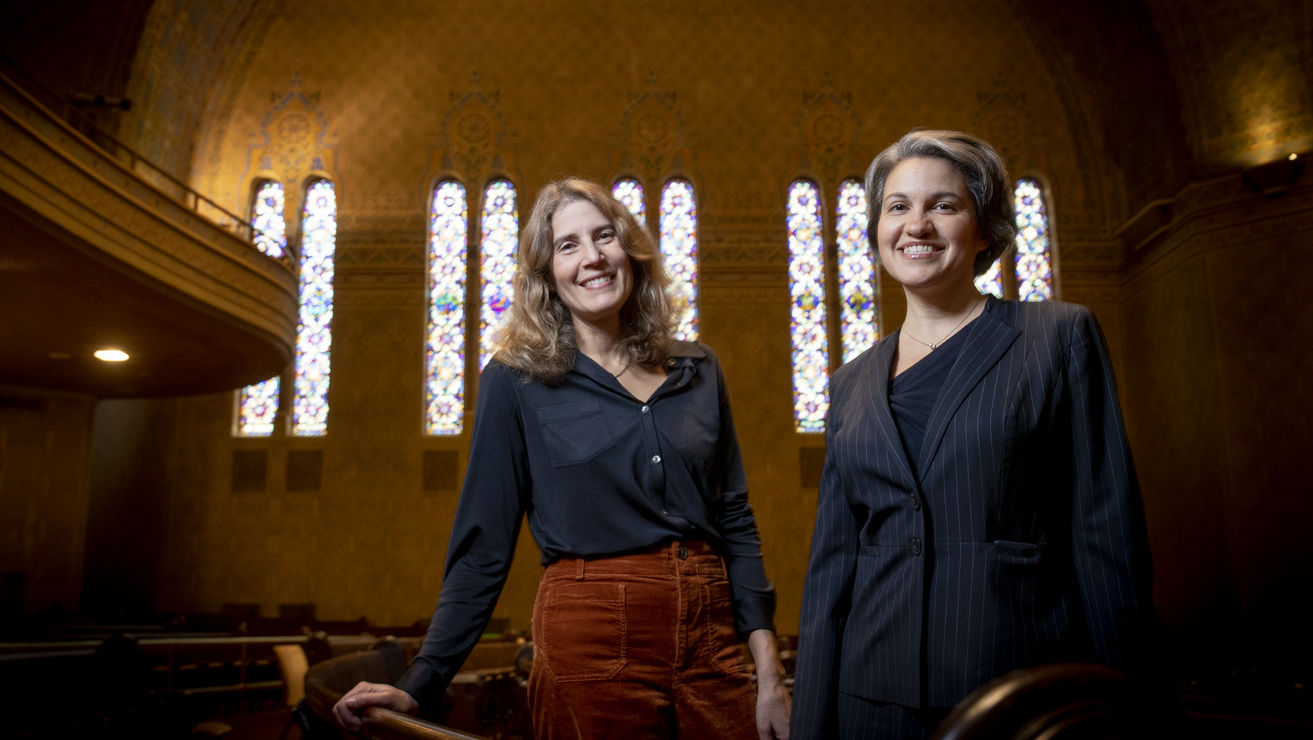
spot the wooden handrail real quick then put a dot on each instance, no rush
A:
(385, 724)
(379, 723)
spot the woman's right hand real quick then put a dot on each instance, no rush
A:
(348, 709)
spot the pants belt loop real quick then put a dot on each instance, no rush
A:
(579, 569)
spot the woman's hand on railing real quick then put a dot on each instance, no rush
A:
(348, 710)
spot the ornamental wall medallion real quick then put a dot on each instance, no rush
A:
(829, 134)
(652, 135)
(473, 135)
(294, 142)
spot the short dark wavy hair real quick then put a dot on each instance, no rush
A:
(986, 179)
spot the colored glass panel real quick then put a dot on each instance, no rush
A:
(1034, 264)
(257, 405)
(679, 249)
(500, 230)
(991, 283)
(811, 353)
(858, 285)
(268, 220)
(314, 334)
(444, 386)
(630, 194)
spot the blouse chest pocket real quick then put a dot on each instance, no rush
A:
(575, 432)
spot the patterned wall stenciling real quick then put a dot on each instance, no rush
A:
(295, 142)
(474, 136)
(829, 134)
(1003, 119)
(652, 142)
(1247, 96)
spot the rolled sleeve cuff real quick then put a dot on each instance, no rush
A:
(755, 609)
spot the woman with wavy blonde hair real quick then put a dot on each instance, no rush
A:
(617, 443)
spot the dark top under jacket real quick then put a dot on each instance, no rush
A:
(598, 472)
(1020, 540)
(913, 393)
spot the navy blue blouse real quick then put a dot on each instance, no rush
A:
(598, 472)
(913, 393)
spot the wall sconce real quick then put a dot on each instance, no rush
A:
(1274, 178)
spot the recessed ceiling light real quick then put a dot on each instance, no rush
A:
(110, 355)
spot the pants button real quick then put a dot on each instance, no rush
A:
(681, 552)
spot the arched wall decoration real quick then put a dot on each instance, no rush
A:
(651, 141)
(295, 143)
(473, 135)
(829, 134)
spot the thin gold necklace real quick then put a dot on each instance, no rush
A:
(935, 345)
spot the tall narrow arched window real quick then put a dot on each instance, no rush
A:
(858, 278)
(679, 249)
(630, 194)
(1034, 264)
(444, 385)
(811, 352)
(257, 405)
(991, 283)
(314, 332)
(1033, 261)
(500, 233)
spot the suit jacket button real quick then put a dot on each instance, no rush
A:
(916, 502)
(916, 545)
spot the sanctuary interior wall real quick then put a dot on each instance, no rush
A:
(45, 461)
(741, 103)
(1113, 106)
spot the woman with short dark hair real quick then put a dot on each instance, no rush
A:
(978, 510)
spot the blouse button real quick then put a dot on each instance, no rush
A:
(645, 408)
(656, 459)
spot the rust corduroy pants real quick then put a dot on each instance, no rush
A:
(639, 647)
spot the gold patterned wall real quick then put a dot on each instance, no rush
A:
(739, 97)
(1113, 106)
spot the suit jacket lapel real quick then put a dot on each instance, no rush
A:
(880, 413)
(989, 337)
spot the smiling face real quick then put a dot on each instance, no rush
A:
(590, 269)
(928, 233)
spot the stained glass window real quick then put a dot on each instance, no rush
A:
(268, 220)
(991, 283)
(630, 194)
(500, 223)
(811, 352)
(444, 387)
(858, 285)
(314, 334)
(257, 405)
(1034, 265)
(679, 249)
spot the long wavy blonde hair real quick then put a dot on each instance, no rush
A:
(538, 337)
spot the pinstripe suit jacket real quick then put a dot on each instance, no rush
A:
(1023, 541)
